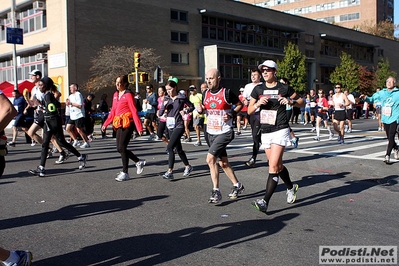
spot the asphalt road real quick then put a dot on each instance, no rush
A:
(347, 196)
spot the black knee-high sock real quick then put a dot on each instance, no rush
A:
(285, 176)
(271, 185)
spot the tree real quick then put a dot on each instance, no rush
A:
(293, 67)
(383, 72)
(384, 28)
(112, 61)
(367, 80)
(347, 73)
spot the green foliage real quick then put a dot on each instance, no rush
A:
(383, 72)
(347, 73)
(293, 68)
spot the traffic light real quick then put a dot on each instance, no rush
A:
(136, 60)
(132, 77)
(144, 77)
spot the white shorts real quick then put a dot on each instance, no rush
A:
(281, 137)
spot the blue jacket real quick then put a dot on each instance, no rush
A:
(389, 104)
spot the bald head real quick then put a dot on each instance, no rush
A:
(213, 78)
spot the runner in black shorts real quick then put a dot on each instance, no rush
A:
(340, 102)
(217, 102)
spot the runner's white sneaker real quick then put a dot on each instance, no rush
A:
(291, 193)
(140, 166)
(122, 177)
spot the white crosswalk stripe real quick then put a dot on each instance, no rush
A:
(369, 145)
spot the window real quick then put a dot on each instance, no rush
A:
(33, 20)
(28, 63)
(309, 38)
(357, 52)
(326, 6)
(180, 37)
(179, 58)
(232, 31)
(347, 17)
(180, 16)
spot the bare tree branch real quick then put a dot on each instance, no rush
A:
(112, 61)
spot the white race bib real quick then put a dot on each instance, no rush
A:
(170, 122)
(215, 119)
(386, 110)
(268, 117)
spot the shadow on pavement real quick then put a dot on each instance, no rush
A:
(159, 248)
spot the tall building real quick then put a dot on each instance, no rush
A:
(345, 13)
(61, 38)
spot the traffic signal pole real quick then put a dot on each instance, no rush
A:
(137, 80)
(136, 67)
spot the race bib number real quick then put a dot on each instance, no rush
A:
(386, 110)
(312, 104)
(268, 117)
(215, 119)
(170, 122)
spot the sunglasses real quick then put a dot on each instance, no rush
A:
(267, 69)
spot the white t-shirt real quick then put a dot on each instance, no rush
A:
(351, 101)
(37, 93)
(248, 90)
(75, 112)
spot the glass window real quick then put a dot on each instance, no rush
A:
(179, 58)
(178, 15)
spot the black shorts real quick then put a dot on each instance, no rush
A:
(79, 123)
(218, 143)
(323, 116)
(199, 121)
(349, 114)
(242, 114)
(151, 116)
(39, 120)
(340, 115)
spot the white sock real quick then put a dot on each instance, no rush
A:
(238, 185)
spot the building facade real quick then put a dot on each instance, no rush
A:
(61, 37)
(345, 13)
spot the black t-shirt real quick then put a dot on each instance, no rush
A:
(50, 104)
(273, 94)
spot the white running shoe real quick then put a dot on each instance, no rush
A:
(85, 145)
(396, 154)
(140, 166)
(75, 143)
(331, 137)
(82, 161)
(187, 171)
(122, 177)
(291, 193)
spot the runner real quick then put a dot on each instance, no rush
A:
(217, 102)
